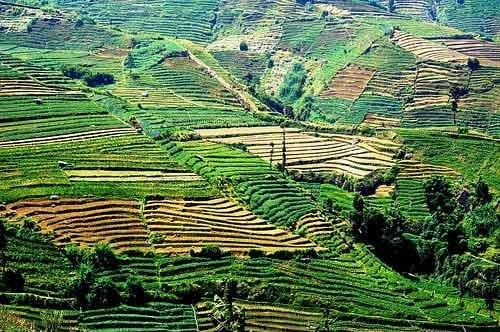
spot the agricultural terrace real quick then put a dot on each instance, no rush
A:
(487, 53)
(155, 316)
(190, 225)
(348, 83)
(176, 82)
(350, 284)
(44, 30)
(164, 226)
(430, 106)
(262, 187)
(264, 317)
(86, 221)
(410, 186)
(426, 49)
(416, 8)
(471, 157)
(125, 165)
(349, 155)
(36, 104)
(471, 16)
(176, 18)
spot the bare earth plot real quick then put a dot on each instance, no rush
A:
(349, 83)
(182, 225)
(306, 152)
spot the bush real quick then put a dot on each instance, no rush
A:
(92, 79)
(188, 293)
(81, 283)
(134, 291)
(103, 257)
(243, 46)
(256, 253)
(210, 251)
(292, 87)
(282, 254)
(52, 321)
(473, 64)
(97, 79)
(103, 293)
(75, 254)
(14, 280)
(156, 238)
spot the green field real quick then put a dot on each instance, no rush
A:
(141, 179)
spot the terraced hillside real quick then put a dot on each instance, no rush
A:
(216, 165)
(305, 152)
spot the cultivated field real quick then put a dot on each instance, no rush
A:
(306, 152)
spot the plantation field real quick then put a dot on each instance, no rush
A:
(469, 156)
(110, 166)
(306, 152)
(235, 165)
(181, 225)
(353, 289)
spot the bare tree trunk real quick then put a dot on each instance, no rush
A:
(283, 151)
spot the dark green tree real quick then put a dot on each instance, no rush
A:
(3, 245)
(439, 195)
(103, 294)
(482, 192)
(134, 290)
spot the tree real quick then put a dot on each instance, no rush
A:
(3, 245)
(456, 92)
(243, 46)
(134, 290)
(227, 316)
(283, 149)
(439, 195)
(52, 321)
(103, 293)
(482, 191)
(103, 257)
(271, 154)
(81, 283)
(473, 64)
(209, 251)
(14, 280)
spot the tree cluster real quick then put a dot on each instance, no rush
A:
(91, 78)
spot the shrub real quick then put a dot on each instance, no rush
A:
(75, 254)
(473, 64)
(98, 79)
(81, 283)
(134, 291)
(156, 238)
(103, 257)
(210, 251)
(292, 87)
(14, 280)
(282, 254)
(90, 78)
(243, 46)
(256, 253)
(439, 195)
(188, 292)
(103, 293)
(52, 321)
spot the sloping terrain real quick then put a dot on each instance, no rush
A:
(249, 165)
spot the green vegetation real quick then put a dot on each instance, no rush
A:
(472, 157)
(121, 211)
(148, 53)
(292, 87)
